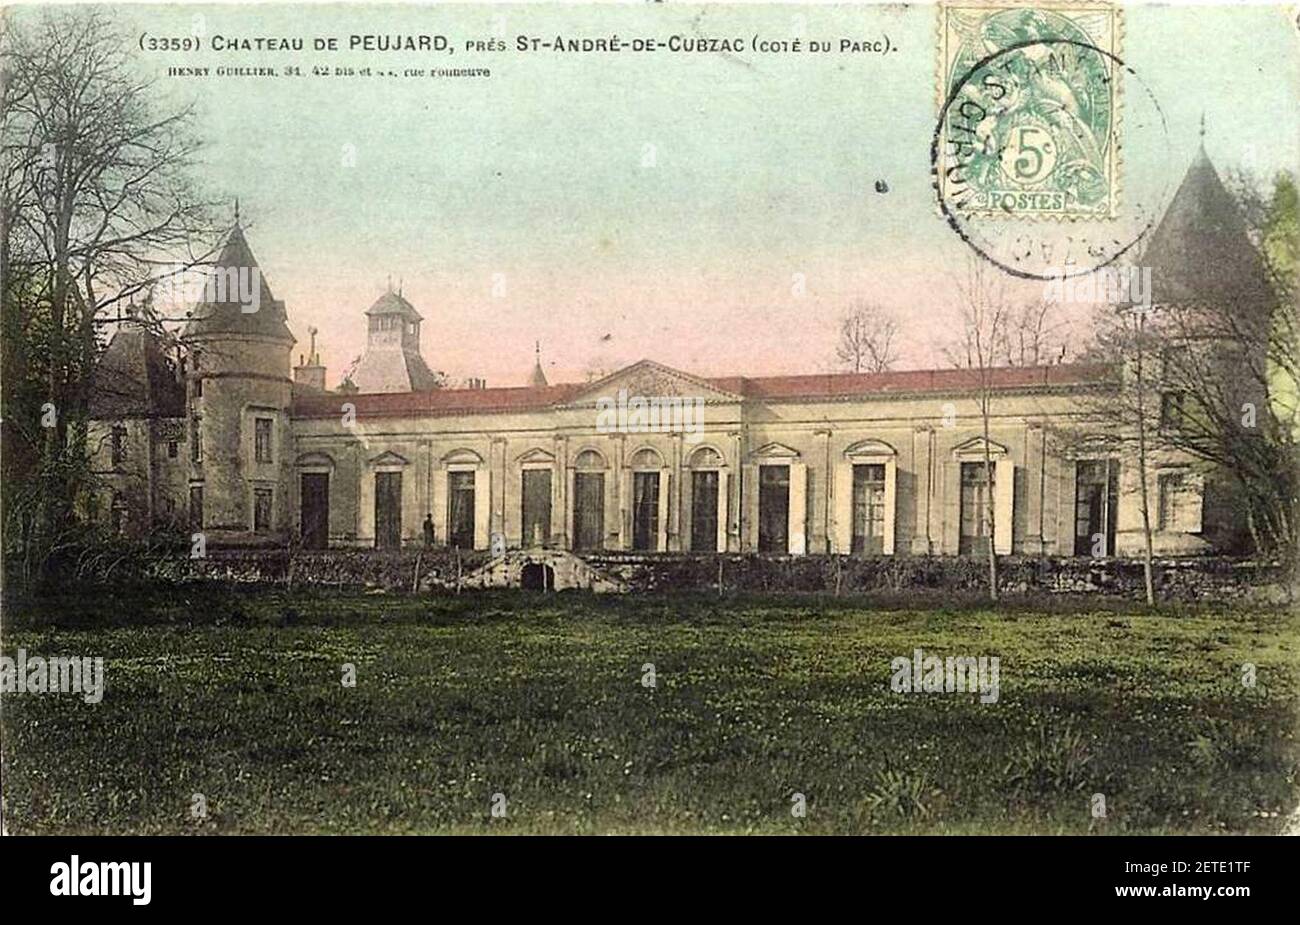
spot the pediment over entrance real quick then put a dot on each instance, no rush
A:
(648, 379)
(974, 448)
(389, 459)
(536, 455)
(774, 451)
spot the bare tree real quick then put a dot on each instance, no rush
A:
(97, 204)
(984, 319)
(1123, 418)
(597, 368)
(867, 339)
(1140, 352)
(1235, 370)
(1034, 335)
(1236, 381)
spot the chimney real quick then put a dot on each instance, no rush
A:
(309, 372)
(313, 377)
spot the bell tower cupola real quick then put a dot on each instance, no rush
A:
(392, 361)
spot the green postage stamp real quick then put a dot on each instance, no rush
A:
(1030, 109)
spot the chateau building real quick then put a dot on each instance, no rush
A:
(239, 445)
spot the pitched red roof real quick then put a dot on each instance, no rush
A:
(850, 385)
(446, 402)
(433, 404)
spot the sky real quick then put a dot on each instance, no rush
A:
(717, 213)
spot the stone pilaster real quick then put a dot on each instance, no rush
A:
(923, 459)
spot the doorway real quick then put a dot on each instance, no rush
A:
(774, 509)
(1096, 495)
(388, 510)
(315, 494)
(588, 510)
(704, 511)
(537, 507)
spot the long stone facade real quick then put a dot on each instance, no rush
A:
(777, 471)
(240, 448)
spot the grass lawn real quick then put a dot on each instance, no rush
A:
(540, 698)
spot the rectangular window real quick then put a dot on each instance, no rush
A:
(261, 510)
(119, 445)
(1171, 410)
(460, 509)
(173, 449)
(198, 387)
(773, 508)
(704, 511)
(196, 507)
(976, 499)
(196, 443)
(645, 511)
(262, 440)
(1175, 502)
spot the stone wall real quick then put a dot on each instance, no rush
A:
(1175, 579)
(343, 568)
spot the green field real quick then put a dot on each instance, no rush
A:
(239, 697)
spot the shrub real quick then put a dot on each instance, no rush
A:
(899, 794)
(1051, 761)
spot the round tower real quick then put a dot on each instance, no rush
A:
(1210, 307)
(238, 396)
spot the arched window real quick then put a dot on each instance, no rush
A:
(706, 457)
(589, 459)
(646, 458)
